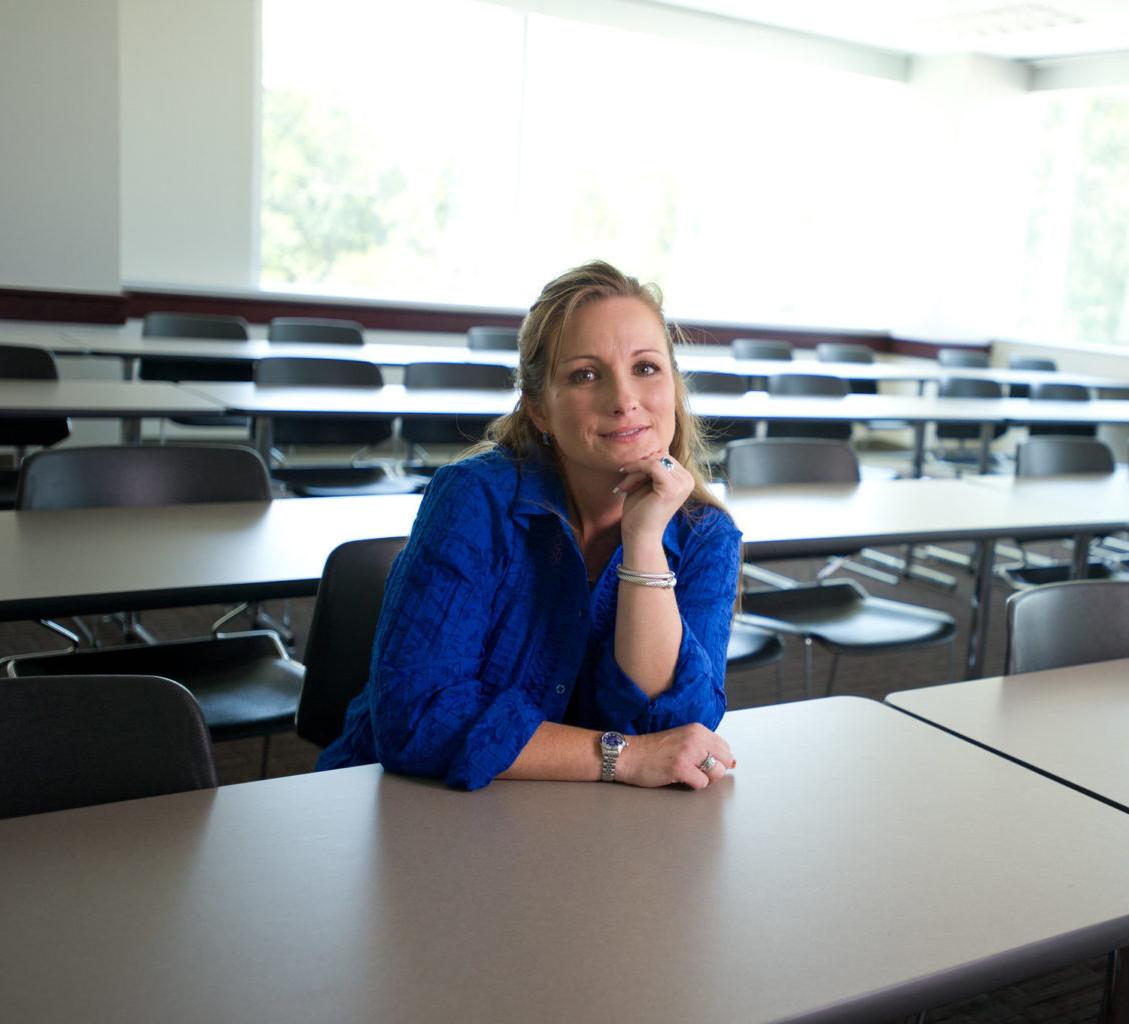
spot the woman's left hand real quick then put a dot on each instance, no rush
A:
(655, 487)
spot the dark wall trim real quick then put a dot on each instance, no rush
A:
(65, 307)
(78, 307)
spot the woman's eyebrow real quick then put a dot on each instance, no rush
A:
(597, 359)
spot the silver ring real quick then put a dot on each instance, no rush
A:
(707, 765)
(667, 463)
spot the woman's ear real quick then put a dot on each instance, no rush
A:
(533, 411)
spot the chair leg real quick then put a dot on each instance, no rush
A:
(779, 682)
(831, 674)
(951, 675)
(266, 754)
(808, 667)
(1115, 994)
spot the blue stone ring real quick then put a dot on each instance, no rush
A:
(667, 463)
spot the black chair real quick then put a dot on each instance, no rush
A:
(761, 348)
(838, 614)
(808, 385)
(838, 352)
(193, 325)
(721, 430)
(1050, 455)
(1027, 363)
(965, 387)
(1063, 624)
(316, 331)
(339, 648)
(357, 432)
(24, 362)
(246, 683)
(74, 741)
(1054, 392)
(963, 357)
(420, 431)
(491, 338)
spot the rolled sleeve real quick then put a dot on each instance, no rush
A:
(706, 591)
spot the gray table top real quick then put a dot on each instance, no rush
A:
(398, 348)
(395, 400)
(1068, 722)
(107, 399)
(90, 560)
(80, 561)
(857, 865)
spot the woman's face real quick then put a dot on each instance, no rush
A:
(611, 398)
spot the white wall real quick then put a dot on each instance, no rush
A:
(59, 145)
(189, 117)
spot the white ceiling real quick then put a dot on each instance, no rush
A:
(997, 28)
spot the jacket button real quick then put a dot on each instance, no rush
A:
(560, 688)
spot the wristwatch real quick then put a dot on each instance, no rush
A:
(611, 745)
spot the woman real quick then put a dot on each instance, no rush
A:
(562, 607)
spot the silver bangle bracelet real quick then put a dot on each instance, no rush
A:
(661, 580)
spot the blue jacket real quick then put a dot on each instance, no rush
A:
(489, 625)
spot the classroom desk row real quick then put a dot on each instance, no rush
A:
(85, 561)
(128, 346)
(857, 865)
(133, 400)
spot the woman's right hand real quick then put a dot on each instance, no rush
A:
(674, 755)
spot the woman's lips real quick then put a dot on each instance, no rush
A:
(625, 435)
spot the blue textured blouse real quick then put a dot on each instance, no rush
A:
(489, 626)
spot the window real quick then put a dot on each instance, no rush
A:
(460, 152)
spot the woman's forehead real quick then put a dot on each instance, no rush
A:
(614, 325)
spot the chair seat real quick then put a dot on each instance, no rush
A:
(750, 647)
(245, 683)
(1023, 576)
(843, 617)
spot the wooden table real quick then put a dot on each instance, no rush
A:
(1069, 723)
(856, 866)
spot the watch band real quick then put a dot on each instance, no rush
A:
(611, 745)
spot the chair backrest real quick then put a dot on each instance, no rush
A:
(1031, 363)
(962, 357)
(787, 460)
(1054, 392)
(120, 475)
(339, 648)
(1050, 455)
(807, 384)
(837, 352)
(761, 348)
(72, 741)
(194, 325)
(479, 338)
(296, 371)
(460, 376)
(715, 383)
(966, 387)
(26, 362)
(316, 330)
(1062, 624)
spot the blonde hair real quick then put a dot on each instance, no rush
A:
(539, 343)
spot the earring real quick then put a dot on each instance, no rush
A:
(546, 439)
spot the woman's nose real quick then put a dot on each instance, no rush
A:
(623, 395)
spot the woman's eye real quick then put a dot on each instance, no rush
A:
(582, 376)
(646, 369)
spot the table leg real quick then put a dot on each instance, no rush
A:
(131, 430)
(981, 597)
(129, 367)
(918, 448)
(1115, 999)
(262, 435)
(986, 432)
(1080, 566)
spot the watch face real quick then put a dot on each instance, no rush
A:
(613, 740)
